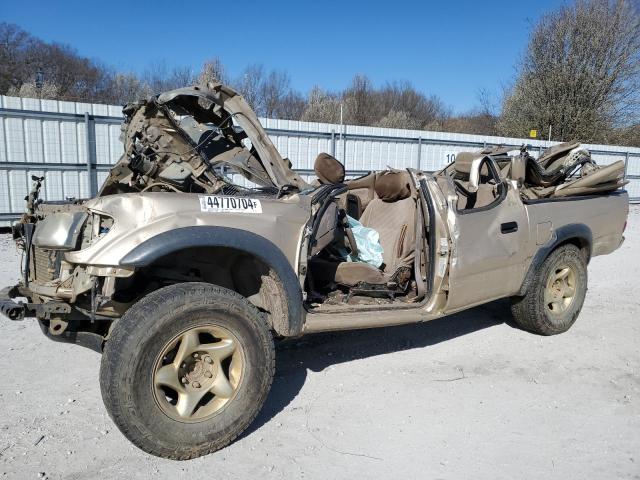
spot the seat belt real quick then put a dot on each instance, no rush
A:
(419, 245)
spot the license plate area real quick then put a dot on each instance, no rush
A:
(232, 204)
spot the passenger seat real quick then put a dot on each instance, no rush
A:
(487, 188)
(393, 215)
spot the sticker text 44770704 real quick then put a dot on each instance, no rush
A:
(219, 203)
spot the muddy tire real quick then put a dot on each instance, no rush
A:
(187, 369)
(555, 296)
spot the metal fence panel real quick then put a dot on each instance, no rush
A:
(73, 145)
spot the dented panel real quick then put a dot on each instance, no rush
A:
(59, 231)
(182, 150)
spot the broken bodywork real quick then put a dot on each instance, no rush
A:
(190, 140)
(203, 245)
(187, 141)
(563, 170)
(202, 195)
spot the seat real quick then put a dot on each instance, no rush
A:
(393, 215)
(484, 189)
(361, 192)
(328, 169)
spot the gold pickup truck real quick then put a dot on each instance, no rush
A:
(203, 247)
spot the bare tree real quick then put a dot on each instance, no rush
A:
(398, 119)
(396, 105)
(360, 106)
(487, 103)
(269, 93)
(275, 86)
(212, 71)
(48, 90)
(160, 77)
(481, 120)
(249, 85)
(473, 122)
(16, 56)
(420, 109)
(321, 107)
(292, 106)
(125, 88)
(69, 76)
(629, 136)
(580, 74)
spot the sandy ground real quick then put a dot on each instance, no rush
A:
(463, 397)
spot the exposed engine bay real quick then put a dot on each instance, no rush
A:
(196, 140)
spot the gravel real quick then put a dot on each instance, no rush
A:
(463, 396)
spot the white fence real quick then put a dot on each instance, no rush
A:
(74, 144)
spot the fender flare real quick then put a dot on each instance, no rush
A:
(572, 231)
(191, 237)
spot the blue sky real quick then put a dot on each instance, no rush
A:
(450, 49)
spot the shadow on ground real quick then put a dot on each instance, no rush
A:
(317, 352)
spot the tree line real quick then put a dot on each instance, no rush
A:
(579, 78)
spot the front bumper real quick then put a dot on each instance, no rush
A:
(18, 310)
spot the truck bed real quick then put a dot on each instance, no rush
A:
(604, 215)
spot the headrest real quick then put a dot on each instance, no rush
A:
(464, 160)
(392, 185)
(328, 169)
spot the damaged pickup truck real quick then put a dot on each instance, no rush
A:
(203, 246)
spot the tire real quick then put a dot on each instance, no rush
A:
(152, 337)
(544, 309)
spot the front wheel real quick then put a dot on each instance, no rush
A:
(187, 369)
(554, 299)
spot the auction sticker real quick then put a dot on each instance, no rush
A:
(219, 203)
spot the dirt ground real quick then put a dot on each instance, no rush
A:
(462, 397)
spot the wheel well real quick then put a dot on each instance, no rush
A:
(581, 243)
(227, 267)
(567, 238)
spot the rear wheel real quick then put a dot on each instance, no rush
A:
(554, 299)
(187, 369)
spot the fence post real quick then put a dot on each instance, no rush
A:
(344, 147)
(333, 142)
(626, 165)
(90, 145)
(419, 152)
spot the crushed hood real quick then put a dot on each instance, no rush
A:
(195, 139)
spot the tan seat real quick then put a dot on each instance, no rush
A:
(362, 188)
(393, 215)
(486, 192)
(328, 169)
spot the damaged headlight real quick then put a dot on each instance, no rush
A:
(97, 226)
(68, 231)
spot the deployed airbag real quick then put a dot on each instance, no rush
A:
(368, 244)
